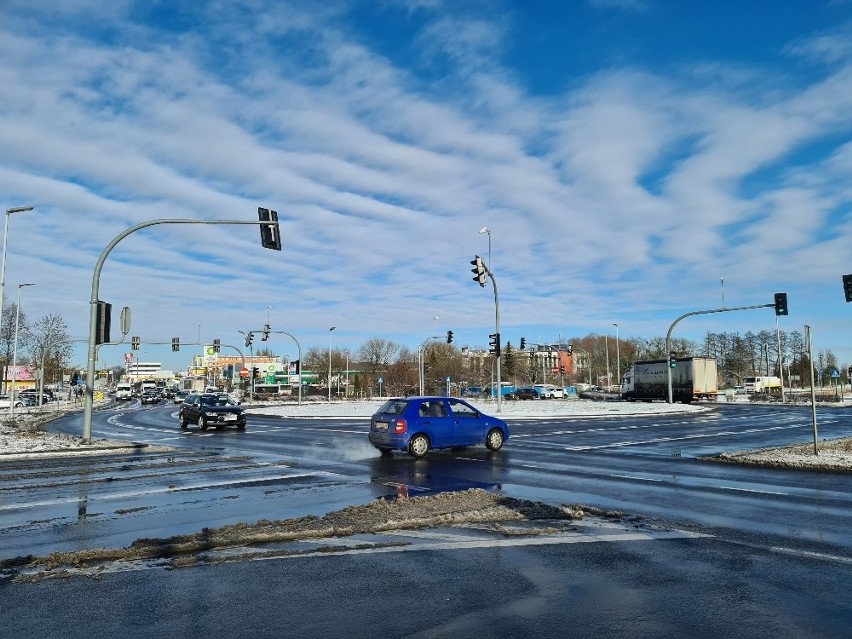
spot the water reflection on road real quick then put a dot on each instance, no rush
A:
(400, 476)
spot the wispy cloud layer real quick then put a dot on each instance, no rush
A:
(386, 135)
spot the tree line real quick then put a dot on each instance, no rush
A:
(47, 341)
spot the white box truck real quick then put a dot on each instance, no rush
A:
(762, 385)
(692, 378)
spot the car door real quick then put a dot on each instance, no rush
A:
(437, 423)
(468, 426)
(190, 408)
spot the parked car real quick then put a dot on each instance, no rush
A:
(549, 391)
(47, 394)
(419, 424)
(208, 408)
(151, 397)
(526, 392)
(6, 402)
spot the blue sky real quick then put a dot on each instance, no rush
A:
(628, 156)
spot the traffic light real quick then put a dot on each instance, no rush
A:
(103, 316)
(425, 367)
(217, 345)
(255, 372)
(847, 287)
(449, 337)
(135, 343)
(478, 270)
(249, 338)
(780, 303)
(270, 235)
(672, 360)
(494, 343)
(265, 335)
(297, 366)
(561, 370)
(175, 344)
(570, 349)
(523, 343)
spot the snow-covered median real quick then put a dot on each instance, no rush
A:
(518, 409)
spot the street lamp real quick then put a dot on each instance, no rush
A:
(15, 352)
(14, 209)
(617, 357)
(487, 230)
(490, 271)
(329, 362)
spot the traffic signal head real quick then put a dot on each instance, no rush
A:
(847, 287)
(523, 343)
(561, 370)
(780, 303)
(449, 337)
(570, 349)
(672, 360)
(265, 335)
(249, 338)
(175, 344)
(135, 343)
(103, 316)
(478, 270)
(217, 345)
(494, 342)
(255, 372)
(270, 236)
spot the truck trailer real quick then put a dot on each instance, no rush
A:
(692, 378)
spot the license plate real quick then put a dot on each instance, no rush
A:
(381, 425)
(230, 418)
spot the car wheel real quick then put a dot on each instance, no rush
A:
(418, 446)
(386, 452)
(201, 423)
(241, 426)
(494, 439)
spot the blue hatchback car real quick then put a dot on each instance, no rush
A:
(418, 424)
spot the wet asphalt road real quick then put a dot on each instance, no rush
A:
(780, 544)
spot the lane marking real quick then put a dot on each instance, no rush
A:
(161, 490)
(751, 490)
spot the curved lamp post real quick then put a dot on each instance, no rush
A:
(14, 209)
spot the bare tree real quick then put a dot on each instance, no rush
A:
(49, 344)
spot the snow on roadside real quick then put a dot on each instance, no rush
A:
(530, 409)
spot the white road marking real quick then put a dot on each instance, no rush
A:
(751, 490)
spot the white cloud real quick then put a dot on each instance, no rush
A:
(630, 192)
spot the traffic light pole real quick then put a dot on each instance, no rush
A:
(497, 330)
(299, 347)
(671, 328)
(421, 364)
(93, 303)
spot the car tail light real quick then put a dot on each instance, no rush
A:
(399, 426)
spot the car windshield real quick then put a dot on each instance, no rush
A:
(221, 400)
(393, 407)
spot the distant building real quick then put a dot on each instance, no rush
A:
(137, 371)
